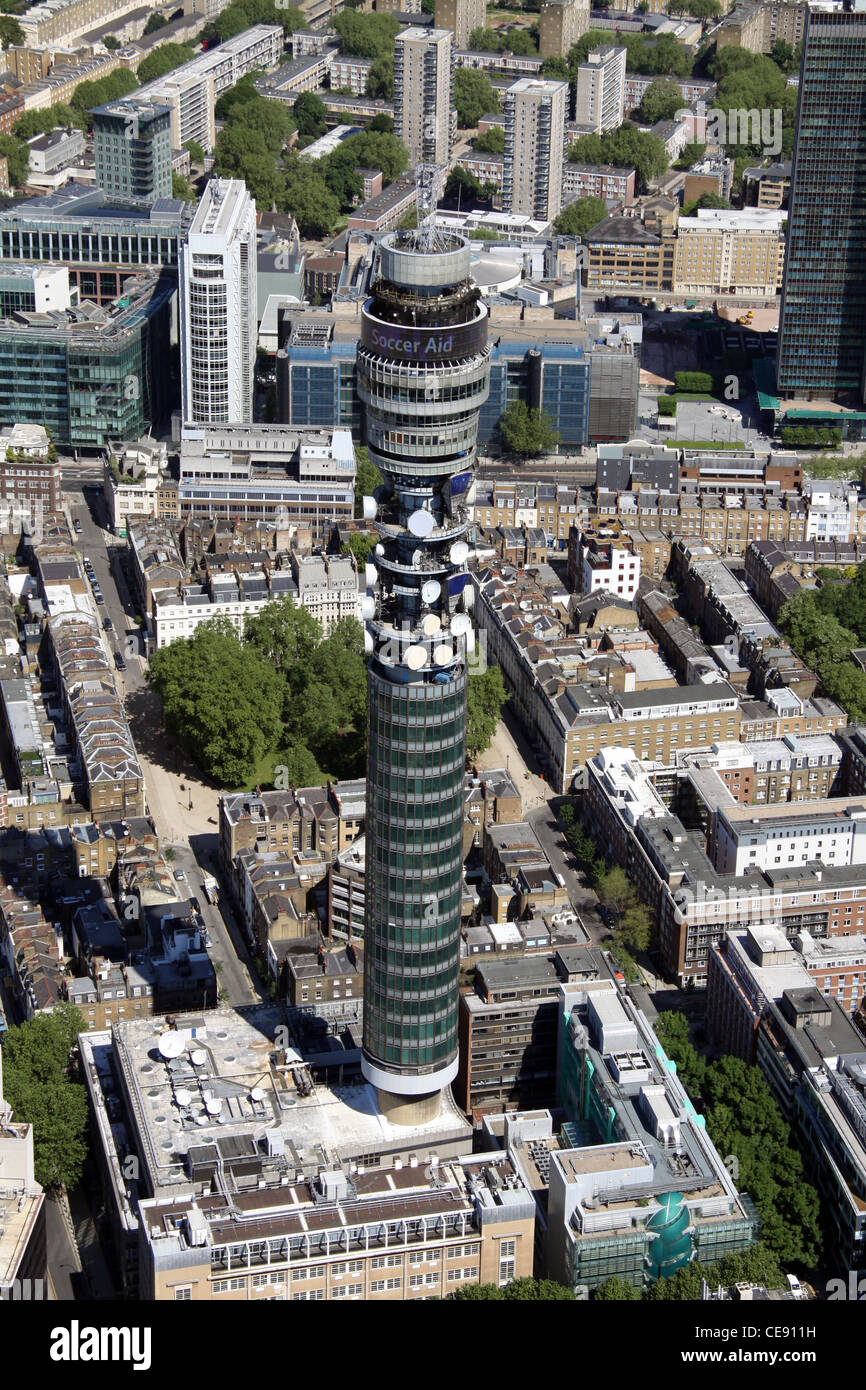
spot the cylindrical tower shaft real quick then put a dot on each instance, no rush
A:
(423, 371)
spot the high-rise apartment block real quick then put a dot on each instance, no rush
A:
(192, 90)
(822, 335)
(423, 370)
(424, 116)
(132, 149)
(560, 25)
(461, 17)
(218, 306)
(600, 91)
(535, 112)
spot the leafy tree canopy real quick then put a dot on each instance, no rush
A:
(163, 59)
(526, 431)
(39, 1084)
(625, 148)
(579, 217)
(367, 35)
(474, 97)
(220, 700)
(491, 141)
(485, 701)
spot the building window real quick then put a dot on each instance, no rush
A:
(183, 1294)
(507, 1254)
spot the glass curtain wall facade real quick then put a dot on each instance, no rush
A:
(822, 335)
(423, 369)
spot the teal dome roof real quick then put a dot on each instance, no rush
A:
(672, 1247)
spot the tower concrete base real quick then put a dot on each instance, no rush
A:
(409, 1110)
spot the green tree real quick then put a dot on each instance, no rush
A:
(491, 141)
(367, 477)
(182, 188)
(380, 78)
(308, 198)
(10, 31)
(485, 700)
(580, 216)
(366, 35)
(661, 101)
(625, 148)
(486, 41)
(156, 21)
(196, 153)
(706, 200)
(617, 1290)
(556, 68)
(377, 149)
(242, 153)
(310, 112)
(474, 97)
(220, 700)
(361, 546)
(39, 1083)
(111, 43)
(615, 890)
(164, 59)
(526, 431)
(284, 635)
(343, 177)
(462, 187)
(230, 22)
(519, 1290)
(520, 41)
(18, 156)
(691, 153)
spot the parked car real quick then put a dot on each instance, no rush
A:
(108, 624)
(77, 526)
(180, 875)
(194, 904)
(99, 599)
(119, 662)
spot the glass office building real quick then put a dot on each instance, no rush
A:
(822, 337)
(423, 367)
(91, 382)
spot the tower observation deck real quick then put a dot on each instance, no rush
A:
(423, 375)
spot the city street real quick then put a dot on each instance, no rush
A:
(183, 809)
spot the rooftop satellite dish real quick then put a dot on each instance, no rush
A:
(368, 643)
(431, 624)
(421, 524)
(443, 654)
(459, 553)
(430, 591)
(171, 1045)
(417, 559)
(183, 1097)
(415, 658)
(461, 623)
(370, 507)
(214, 1106)
(201, 1119)
(257, 1093)
(199, 1057)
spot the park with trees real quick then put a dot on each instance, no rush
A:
(824, 625)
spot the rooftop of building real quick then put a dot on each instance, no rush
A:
(226, 1080)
